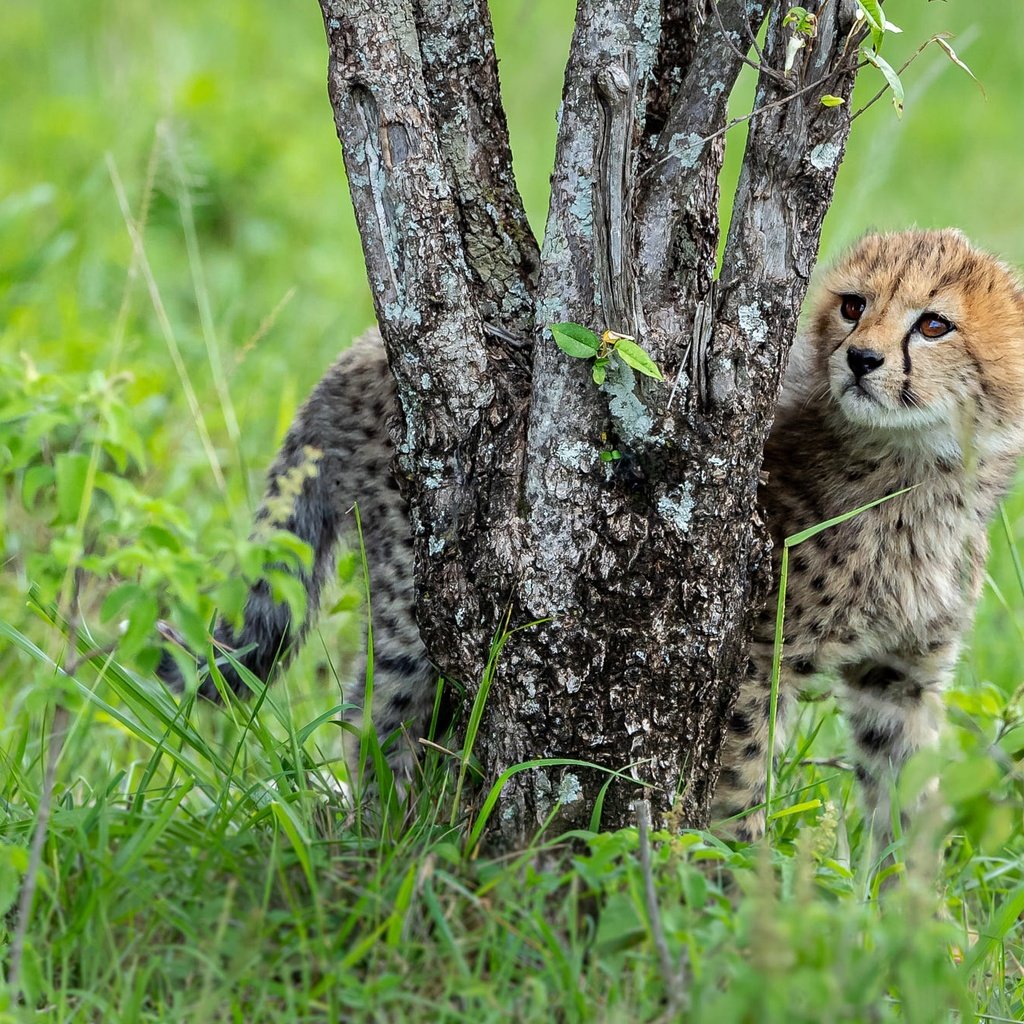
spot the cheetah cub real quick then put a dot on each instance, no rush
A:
(910, 377)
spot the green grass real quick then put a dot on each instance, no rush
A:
(200, 864)
(206, 869)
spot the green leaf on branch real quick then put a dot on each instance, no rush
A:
(582, 343)
(872, 11)
(794, 16)
(828, 100)
(575, 340)
(633, 355)
(801, 20)
(890, 76)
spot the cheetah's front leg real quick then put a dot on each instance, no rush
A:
(894, 707)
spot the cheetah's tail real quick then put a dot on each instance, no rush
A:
(307, 467)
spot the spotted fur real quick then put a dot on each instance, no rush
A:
(872, 406)
(881, 601)
(339, 451)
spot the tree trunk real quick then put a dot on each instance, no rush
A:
(643, 572)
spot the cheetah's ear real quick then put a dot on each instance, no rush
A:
(1015, 278)
(958, 234)
(873, 234)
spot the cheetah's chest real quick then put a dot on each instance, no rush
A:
(899, 577)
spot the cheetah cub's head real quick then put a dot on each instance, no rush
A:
(919, 333)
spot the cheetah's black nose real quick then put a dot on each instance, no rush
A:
(863, 360)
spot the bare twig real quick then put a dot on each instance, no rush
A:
(751, 34)
(899, 71)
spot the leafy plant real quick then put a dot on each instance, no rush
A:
(72, 461)
(870, 11)
(582, 343)
(804, 26)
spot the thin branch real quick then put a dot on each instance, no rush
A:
(899, 71)
(752, 36)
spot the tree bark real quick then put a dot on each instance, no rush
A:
(642, 573)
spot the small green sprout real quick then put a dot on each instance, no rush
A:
(804, 23)
(582, 343)
(805, 26)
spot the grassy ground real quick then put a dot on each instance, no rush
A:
(198, 864)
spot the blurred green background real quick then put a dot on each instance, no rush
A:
(237, 93)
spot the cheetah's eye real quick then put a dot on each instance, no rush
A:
(851, 307)
(931, 325)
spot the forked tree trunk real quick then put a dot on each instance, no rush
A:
(643, 571)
